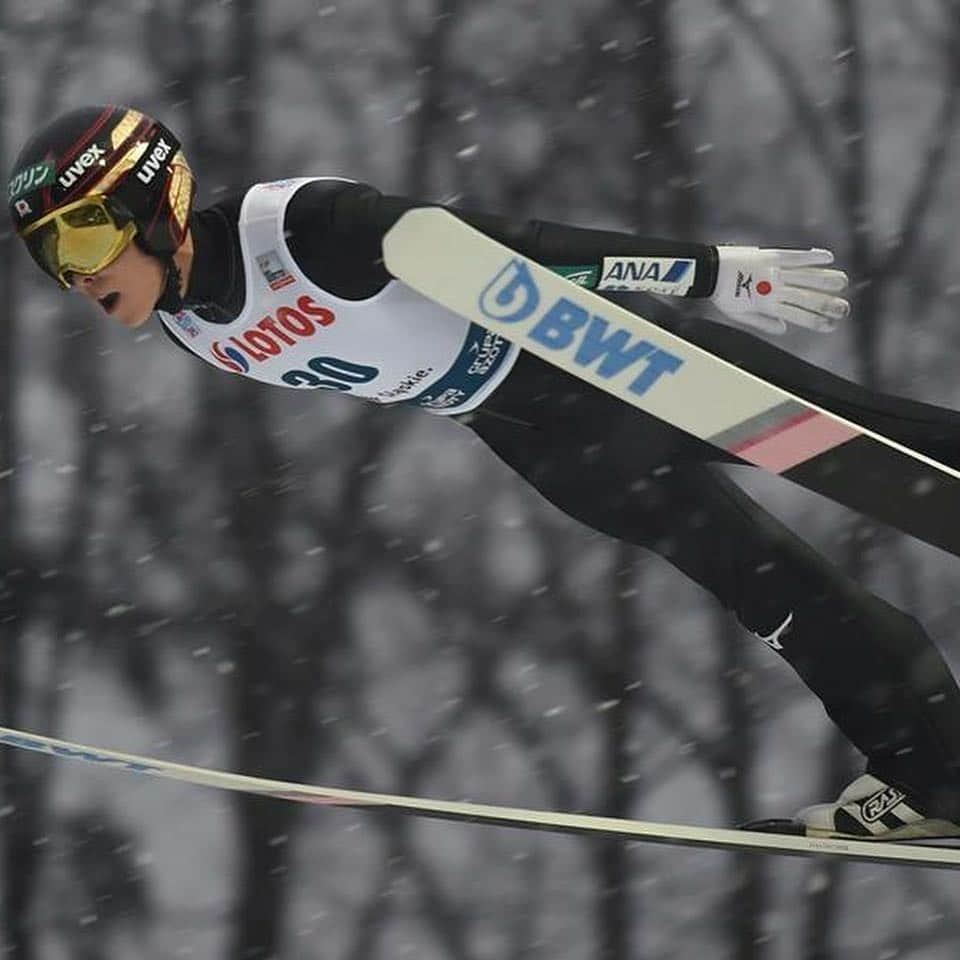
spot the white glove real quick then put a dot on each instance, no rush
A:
(767, 289)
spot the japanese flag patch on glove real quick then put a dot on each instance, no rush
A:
(769, 289)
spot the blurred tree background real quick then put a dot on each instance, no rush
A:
(300, 587)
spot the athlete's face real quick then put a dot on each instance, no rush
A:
(126, 290)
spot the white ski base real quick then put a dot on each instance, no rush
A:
(583, 824)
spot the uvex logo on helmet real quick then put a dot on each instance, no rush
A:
(113, 150)
(155, 159)
(93, 154)
(271, 336)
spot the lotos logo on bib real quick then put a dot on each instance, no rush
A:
(271, 336)
(231, 358)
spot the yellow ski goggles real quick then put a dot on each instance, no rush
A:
(82, 237)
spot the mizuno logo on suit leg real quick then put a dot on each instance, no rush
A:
(773, 640)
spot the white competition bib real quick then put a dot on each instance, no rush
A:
(395, 347)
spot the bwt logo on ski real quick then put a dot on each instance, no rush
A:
(154, 161)
(271, 336)
(665, 275)
(81, 165)
(514, 297)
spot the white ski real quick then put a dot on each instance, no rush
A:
(638, 830)
(657, 372)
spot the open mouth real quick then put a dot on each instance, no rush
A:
(109, 301)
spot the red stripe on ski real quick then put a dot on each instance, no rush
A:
(794, 441)
(312, 797)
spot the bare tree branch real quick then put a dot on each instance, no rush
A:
(674, 718)
(802, 103)
(373, 915)
(931, 171)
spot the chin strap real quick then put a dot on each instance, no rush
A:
(170, 300)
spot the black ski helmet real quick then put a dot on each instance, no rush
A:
(108, 150)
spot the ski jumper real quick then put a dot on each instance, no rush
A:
(614, 468)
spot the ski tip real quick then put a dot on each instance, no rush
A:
(774, 825)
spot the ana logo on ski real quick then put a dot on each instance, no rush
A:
(513, 297)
